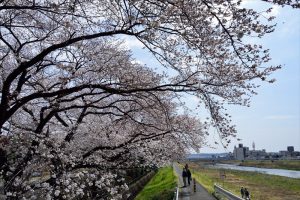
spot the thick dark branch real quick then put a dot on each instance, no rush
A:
(17, 7)
(61, 120)
(29, 112)
(7, 44)
(89, 153)
(21, 82)
(44, 121)
(25, 65)
(131, 140)
(69, 136)
(64, 92)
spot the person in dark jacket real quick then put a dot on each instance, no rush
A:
(184, 176)
(189, 175)
(247, 194)
(242, 192)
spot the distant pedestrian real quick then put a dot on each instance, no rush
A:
(247, 194)
(184, 176)
(189, 175)
(243, 192)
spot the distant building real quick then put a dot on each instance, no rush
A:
(296, 154)
(257, 154)
(290, 149)
(247, 152)
(242, 153)
(239, 153)
(253, 146)
(284, 153)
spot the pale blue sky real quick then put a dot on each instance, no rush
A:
(273, 120)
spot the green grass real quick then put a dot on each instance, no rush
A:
(261, 186)
(205, 180)
(161, 186)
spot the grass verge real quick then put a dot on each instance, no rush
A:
(161, 186)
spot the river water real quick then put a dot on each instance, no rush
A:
(279, 172)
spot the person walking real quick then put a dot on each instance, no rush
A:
(247, 194)
(184, 176)
(189, 175)
(242, 192)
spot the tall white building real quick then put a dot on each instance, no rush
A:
(239, 153)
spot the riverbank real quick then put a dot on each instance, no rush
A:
(276, 172)
(261, 186)
(273, 164)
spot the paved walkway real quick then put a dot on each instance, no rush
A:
(188, 193)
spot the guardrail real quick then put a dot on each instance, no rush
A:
(176, 195)
(226, 193)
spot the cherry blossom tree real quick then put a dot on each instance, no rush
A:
(76, 104)
(293, 3)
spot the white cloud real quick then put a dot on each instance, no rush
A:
(137, 62)
(279, 117)
(262, 6)
(245, 3)
(275, 11)
(131, 42)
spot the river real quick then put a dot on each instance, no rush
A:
(279, 172)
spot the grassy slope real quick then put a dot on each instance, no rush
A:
(161, 186)
(261, 186)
